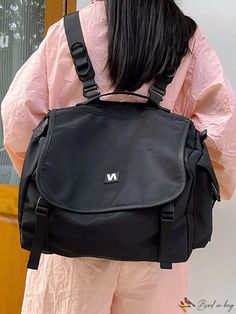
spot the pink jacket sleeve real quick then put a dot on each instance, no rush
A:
(25, 104)
(212, 106)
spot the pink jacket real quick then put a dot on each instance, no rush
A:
(48, 80)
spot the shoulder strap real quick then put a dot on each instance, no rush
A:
(82, 62)
(84, 68)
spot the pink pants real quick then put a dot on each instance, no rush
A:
(98, 286)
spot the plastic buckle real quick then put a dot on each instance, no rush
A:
(82, 67)
(77, 49)
(157, 91)
(40, 209)
(167, 214)
(91, 91)
(81, 60)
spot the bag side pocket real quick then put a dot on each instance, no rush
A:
(205, 194)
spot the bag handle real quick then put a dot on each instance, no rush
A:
(150, 101)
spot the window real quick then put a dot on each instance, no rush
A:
(23, 24)
(21, 31)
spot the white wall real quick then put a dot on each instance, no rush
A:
(213, 270)
(82, 3)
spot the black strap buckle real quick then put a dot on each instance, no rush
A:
(159, 92)
(79, 53)
(91, 91)
(78, 50)
(82, 63)
(84, 70)
(167, 214)
(40, 208)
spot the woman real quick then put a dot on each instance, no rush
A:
(139, 39)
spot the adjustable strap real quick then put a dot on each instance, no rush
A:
(41, 210)
(167, 219)
(158, 90)
(82, 62)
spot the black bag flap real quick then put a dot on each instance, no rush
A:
(100, 158)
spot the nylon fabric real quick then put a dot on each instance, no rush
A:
(140, 153)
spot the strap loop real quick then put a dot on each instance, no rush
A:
(82, 65)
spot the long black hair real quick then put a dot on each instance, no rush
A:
(145, 39)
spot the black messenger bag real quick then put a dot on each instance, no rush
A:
(128, 181)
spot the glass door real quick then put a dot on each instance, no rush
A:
(22, 27)
(21, 31)
(23, 24)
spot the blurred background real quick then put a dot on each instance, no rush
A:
(23, 24)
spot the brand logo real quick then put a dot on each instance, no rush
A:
(4, 41)
(204, 305)
(112, 177)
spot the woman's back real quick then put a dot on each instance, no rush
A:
(48, 80)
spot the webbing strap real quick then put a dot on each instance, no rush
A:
(82, 62)
(41, 210)
(84, 68)
(167, 219)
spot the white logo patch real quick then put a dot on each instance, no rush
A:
(112, 177)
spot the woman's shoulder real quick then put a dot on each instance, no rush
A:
(198, 42)
(90, 16)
